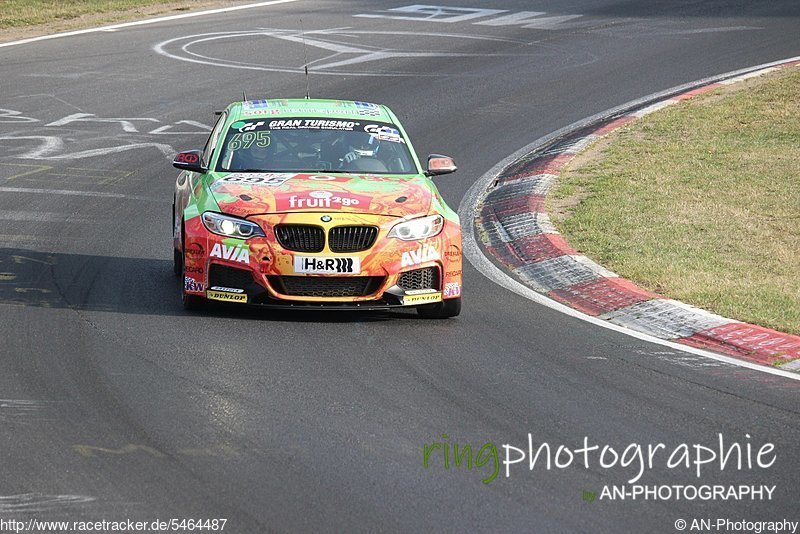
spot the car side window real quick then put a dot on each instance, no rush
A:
(208, 150)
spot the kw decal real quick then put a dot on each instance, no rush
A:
(452, 289)
(190, 284)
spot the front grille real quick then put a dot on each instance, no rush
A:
(300, 238)
(223, 276)
(352, 238)
(426, 278)
(326, 286)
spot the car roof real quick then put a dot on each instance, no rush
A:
(301, 107)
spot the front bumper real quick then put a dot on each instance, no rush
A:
(261, 271)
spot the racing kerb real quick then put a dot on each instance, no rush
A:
(516, 231)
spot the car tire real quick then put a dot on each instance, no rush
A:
(177, 262)
(190, 302)
(441, 310)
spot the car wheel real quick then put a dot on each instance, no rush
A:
(441, 310)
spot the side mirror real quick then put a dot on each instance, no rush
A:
(189, 161)
(438, 164)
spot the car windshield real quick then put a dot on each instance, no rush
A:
(313, 145)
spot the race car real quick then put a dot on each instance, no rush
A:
(314, 204)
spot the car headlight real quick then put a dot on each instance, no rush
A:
(231, 226)
(418, 228)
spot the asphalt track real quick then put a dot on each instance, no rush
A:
(118, 404)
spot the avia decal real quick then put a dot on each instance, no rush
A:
(421, 255)
(320, 199)
(239, 253)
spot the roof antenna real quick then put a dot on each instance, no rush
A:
(305, 58)
(244, 96)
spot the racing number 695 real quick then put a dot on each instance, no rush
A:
(246, 140)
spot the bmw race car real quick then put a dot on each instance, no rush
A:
(315, 204)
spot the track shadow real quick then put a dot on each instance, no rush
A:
(129, 285)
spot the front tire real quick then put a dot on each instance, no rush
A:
(177, 262)
(441, 310)
(190, 302)
(177, 255)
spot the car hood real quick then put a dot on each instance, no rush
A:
(245, 194)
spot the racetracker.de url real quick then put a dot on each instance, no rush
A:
(125, 525)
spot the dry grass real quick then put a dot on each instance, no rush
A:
(700, 202)
(26, 18)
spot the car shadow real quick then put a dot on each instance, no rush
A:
(130, 285)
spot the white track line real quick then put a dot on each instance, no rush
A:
(100, 194)
(472, 251)
(114, 27)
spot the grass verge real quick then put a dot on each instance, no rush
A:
(27, 18)
(699, 202)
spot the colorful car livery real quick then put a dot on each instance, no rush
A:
(317, 204)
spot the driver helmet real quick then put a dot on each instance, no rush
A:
(260, 153)
(363, 144)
